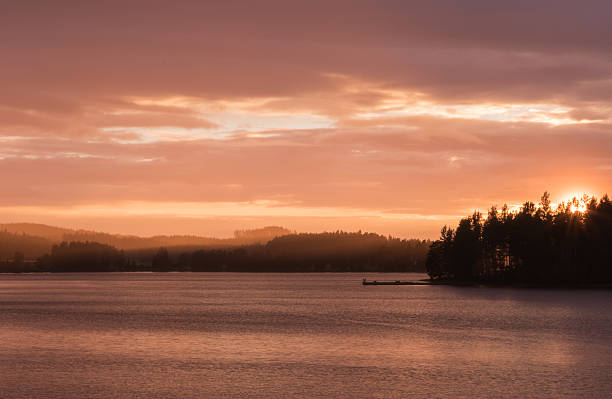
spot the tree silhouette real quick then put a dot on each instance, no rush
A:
(86, 256)
(161, 261)
(535, 244)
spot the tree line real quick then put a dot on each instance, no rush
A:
(72, 256)
(535, 244)
(11, 242)
(322, 252)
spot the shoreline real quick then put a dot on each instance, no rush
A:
(420, 282)
(484, 284)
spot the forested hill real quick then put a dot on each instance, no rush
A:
(316, 252)
(322, 252)
(29, 246)
(34, 239)
(51, 233)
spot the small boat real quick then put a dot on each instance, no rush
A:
(396, 282)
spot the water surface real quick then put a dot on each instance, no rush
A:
(218, 335)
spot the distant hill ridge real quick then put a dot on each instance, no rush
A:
(21, 234)
(269, 249)
(36, 229)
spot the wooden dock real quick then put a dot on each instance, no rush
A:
(396, 282)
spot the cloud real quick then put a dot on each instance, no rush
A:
(429, 106)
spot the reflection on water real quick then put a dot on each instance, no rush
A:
(296, 335)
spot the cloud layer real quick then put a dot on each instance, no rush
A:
(391, 116)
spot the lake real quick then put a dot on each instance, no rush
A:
(226, 335)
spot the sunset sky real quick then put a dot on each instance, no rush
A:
(150, 117)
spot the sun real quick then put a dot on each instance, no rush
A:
(577, 201)
(580, 207)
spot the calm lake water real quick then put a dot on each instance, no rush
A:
(297, 336)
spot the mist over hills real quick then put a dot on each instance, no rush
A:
(269, 249)
(34, 240)
(47, 232)
(30, 246)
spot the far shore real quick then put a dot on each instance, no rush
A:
(381, 282)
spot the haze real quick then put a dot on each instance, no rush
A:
(146, 117)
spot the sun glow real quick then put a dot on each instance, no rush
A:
(549, 114)
(577, 201)
(259, 208)
(581, 207)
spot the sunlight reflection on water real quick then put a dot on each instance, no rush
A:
(296, 335)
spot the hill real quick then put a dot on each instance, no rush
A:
(30, 246)
(35, 239)
(52, 233)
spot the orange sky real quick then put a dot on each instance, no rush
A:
(151, 117)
